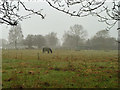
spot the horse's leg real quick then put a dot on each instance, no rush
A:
(50, 50)
(43, 50)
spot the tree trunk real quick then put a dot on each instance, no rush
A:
(15, 44)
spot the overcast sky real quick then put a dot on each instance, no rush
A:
(58, 22)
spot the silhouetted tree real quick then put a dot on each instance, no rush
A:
(29, 41)
(102, 34)
(52, 40)
(102, 40)
(3, 43)
(39, 41)
(15, 35)
(74, 37)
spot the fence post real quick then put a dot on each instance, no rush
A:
(16, 56)
(21, 55)
(8, 55)
(38, 56)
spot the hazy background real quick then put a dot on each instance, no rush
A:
(56, 21)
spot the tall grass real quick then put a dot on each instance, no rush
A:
(61, 69)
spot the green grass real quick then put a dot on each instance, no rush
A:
(61, 69)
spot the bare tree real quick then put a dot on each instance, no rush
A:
(107, 11)
(39, 41)
(15, 35)
(103, 34)
(29, 41)
(102, 40)
(52, 40)
(74, 37)
(9, 12)
(3, 43)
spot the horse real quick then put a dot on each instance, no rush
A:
(47, 49)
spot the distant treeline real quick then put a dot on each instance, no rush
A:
(75, 38)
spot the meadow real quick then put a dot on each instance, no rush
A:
(61, 69)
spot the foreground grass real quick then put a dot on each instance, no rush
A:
(61, 69)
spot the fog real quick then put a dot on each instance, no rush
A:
(56, 21)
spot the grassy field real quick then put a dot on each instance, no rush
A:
(61, 69)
